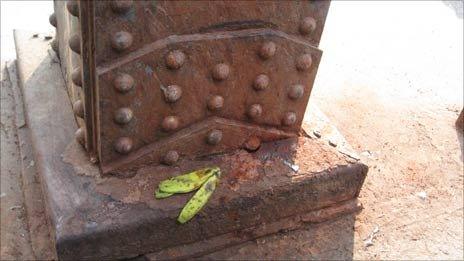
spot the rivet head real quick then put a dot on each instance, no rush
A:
(123, 115)
(261, 82)
(171, 157)
(78, 108)
(175, 59)
(296, 91)
(76, 76)
(304, 62)
(221, 72)
(289, 119)
(307, 25)
(267, 50)
(255, 111)
(55, 46)
(121, 6)
(73, 7)
(215, 103)
(214, 137)
(123, 82)
(75, 43)
(172, 93)
(252, 144)
(170, 123)
(121, 41)
(80, 136)
(123, 145)
(52, 19)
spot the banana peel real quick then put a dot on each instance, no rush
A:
(205, 180)
(196, 203)
(187, 182)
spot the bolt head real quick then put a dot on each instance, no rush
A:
(172, 93)
(123, 145)
(76, 76)
(80, 136)
(261, 82)
(121, 6)
(267, 50)
(75, 43)
(123, 115)
(52, 19)
(221, 72)
(307, 25)
(252, 144)
(171, 157)
(296, 91)
(121, 41)
(123, 82)
(304, 62)
(73, 7)
(214, 137)
(170, 123)
(175, 59)
(289, 118)
(255, 111)
(215, 103)
(78, 108)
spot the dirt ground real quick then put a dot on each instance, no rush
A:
(391, 80)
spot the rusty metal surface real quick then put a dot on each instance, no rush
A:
(154, 70)
(149, 21)
(238, 50)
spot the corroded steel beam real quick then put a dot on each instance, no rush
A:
(155, 81)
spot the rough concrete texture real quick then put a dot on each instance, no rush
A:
(391, 79)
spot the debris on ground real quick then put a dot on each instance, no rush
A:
(369, 241)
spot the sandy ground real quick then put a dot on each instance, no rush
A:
(391, 79)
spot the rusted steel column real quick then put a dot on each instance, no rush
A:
(157, 81)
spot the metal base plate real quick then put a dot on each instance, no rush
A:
(96, 217)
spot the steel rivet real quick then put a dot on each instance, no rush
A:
(172, 93)
(221, 72)
(52, 19)
(75, 43)
(123, 115)
(73, 7)
(121, 41)
(121, 6)
(261, 82)
(289, 119)
(215, 103)
(175, 59)
(255, 111)
(296, 91)
(267, 50)
(123, 145)
(307, 25)
(170, 123)
(304, 62)
(252, 144)
(123, 82)
(171, 157)
(80, 136)
(214, 137)
(78, 108)
(76, 76)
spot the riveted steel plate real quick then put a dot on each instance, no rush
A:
(239, 50)
(149, 21)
